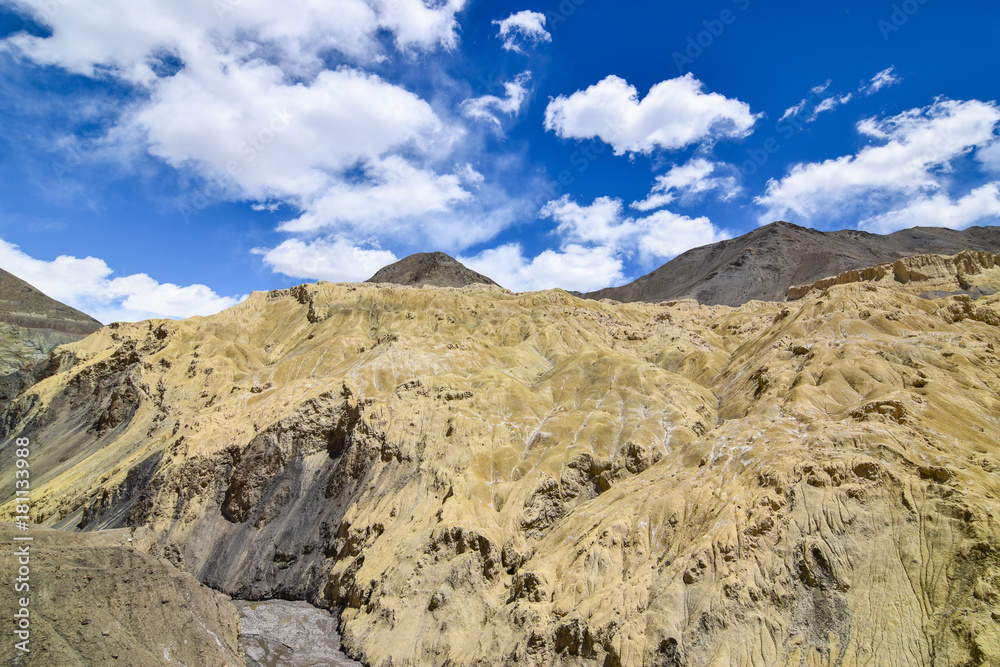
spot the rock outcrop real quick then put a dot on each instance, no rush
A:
(764, 263)
(475, 477)
(938, 275)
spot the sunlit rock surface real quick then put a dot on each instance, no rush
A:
(482, 478)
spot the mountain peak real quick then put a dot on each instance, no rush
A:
(435, 269)
(26, 306)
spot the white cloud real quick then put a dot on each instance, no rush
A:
(523, 27)
(600, 222)
(689, 180)
(822, 88)
(916, 150)
(332, 259)
(276, 139)
(825, 104)
(794, 110)
(655, 237)
(940, 210)
(126, 35)
(830, 103)
(594, 242)
(491, 107)
(883, 79)
(819, 104)
(674, 114)
(989, 156)
(574, 267)
(668, 234)
(86, 284)
(418, 23)
(392, 191)
(251, 109)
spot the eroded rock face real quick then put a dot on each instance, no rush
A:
(95, 600)
(476, 477)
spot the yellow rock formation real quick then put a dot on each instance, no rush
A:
(483, 478)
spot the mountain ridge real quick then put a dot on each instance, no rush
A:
(764, 263)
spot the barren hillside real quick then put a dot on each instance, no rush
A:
(477, 478)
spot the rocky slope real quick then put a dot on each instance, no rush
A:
(95, 601)
(31, 326)
(478, 478)
(434, 269)
(26, 306)
(766, 262)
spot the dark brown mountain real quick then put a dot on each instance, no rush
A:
(766, 262)
(31, 326)
(435, 269)
(27, 307)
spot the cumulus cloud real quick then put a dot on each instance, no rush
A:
(127, 36)
(989, 156)
(656, 237)
(87, 284)
(674, 114)
(249, 106)
(688, 181)
(521, 28)
(241, 121)
(598, 233)
(390, 191)
(915, 149)
(594, 242)
(574, 267)
(491, 108)
(667, 234)
(601, 222)
(333, 259)
(939, 210)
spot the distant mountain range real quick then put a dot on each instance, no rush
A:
(763, 264)
(760, 265)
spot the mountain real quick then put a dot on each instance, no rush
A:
(434, 269)
(763, 264)
(25, 306)
(31, 326)
(476, 477)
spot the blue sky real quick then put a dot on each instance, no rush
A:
(165, 158)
